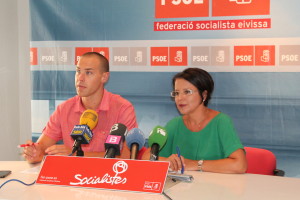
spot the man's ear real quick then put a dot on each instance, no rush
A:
(105, 77)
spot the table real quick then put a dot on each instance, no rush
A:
(211, 186)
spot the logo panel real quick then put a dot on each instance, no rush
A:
(220, 56)
(120, 56)
(200, 56)
(159, 56)
(79, 51)
(265, 55)
(181, 8)
(33, 56)
(289, 55)
(240, 7)
(243, 55)
(103, 51)
(178, 56)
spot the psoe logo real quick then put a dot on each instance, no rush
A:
(154, 186)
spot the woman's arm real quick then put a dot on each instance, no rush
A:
(235, 163)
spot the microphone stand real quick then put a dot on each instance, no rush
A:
(79, 151)
(77, 148)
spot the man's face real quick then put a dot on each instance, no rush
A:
(89, 79)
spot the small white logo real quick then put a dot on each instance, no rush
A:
(178, 57)
(31, 56)
(242, 1)
(266, 56)
(120, 167)
(102, 53)
(152, 186)
(161, 131)
(139, 57)
(221, 56)
(114, 127)
(64, 56)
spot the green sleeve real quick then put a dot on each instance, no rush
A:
(228, 136)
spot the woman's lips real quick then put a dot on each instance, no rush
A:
(181, 105)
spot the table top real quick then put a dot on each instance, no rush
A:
(204, 186)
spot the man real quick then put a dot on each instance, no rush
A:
(92, 72)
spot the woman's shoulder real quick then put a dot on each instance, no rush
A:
(222, 116)
(222, 120)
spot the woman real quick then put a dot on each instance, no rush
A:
(206, 138)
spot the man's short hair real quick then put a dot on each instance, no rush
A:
(104, 62)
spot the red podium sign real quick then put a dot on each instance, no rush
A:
(105, 173)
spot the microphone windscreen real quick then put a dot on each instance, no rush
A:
(159, 136)
(135, 135)
(90, 118)
(118, 129)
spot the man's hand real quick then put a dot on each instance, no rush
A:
(33, 153)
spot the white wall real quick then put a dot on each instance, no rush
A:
(15, 119)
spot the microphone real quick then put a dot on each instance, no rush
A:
(90, 118)
(82, 133)
(114, 141)
(135, 140)
(157, 139)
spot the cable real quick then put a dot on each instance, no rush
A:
(27, 184)
(168, 197)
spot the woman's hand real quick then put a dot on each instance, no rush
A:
(175, 162)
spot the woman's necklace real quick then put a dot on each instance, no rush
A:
(198, 125)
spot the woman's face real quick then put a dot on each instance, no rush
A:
(187, 97)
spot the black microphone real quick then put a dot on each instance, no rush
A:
(82, 133)
(135, 140)
(114, 141)
(157, 140)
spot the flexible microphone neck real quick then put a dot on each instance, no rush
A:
(110, 153)
(76, 145)
(154, 152)
(79, 151)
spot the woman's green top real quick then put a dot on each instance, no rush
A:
(215, 141)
